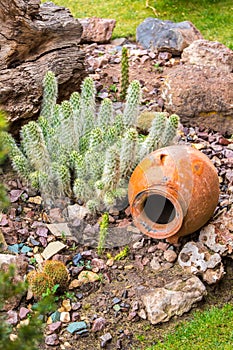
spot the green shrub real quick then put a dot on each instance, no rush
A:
(74, 151)
(28, 337)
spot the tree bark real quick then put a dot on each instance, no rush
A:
(36, 38)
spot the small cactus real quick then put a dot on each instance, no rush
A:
(170, 130)
(39, 283)
(56, 272)
(124, 72)
(133, 99)
(105, 116)
(49, 95)
(128, 152)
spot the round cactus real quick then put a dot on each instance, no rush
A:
(56, 272)
(39, 283)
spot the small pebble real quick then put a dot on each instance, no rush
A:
(170, 255)
(65, 317)
(52, 339)
(105, 339)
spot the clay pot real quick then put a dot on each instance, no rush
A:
(173, 192)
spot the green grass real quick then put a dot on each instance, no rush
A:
(208, 330)
(213, 18)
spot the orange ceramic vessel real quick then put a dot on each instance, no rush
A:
(173, 192)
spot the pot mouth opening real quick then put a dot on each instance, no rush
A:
(157, 212)
(159, 209)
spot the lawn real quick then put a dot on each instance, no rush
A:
(208, 330)
(213, 18)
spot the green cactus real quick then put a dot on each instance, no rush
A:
(170, 130)
(76, 128)
(80, 190)
(39, 283)
(103, 232)
(74, 151)
(128, 152)
(88, 105)
(93, 205)
(50, 92)
(34, 146)
(111, 171)
(96, 138)
(124, 73)
(105, 116)
(153, 139)
(131, 110)
(56, 272)
(19, 162)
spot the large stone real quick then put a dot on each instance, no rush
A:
(200, 95)
(175, 298)
(96, 29)
(159, 35)
(209, 53)
(196, 259)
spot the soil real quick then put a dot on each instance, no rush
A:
(121, 280)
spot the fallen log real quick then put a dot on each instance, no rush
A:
(36, 38)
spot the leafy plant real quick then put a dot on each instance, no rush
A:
(75, 152)
(103, 233)
(124, 72)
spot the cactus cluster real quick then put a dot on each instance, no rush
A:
(74, 151)
(53, 273)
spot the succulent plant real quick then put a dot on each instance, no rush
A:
(39, 283)
(74, 151)
(57, 272)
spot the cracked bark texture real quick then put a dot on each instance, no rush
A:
(36, 38)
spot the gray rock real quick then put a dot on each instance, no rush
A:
(159, 35)
(174, 298)
(209, 53)
(77, 212)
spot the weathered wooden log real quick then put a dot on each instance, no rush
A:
(36, 38)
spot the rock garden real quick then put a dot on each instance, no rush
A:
(83, 112)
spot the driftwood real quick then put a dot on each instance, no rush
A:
(36, 38)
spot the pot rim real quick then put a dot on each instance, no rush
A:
(150, 227)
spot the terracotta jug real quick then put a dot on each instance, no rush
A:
(173, 192)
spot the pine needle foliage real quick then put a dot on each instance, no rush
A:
(28, 337)
(74, 151)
